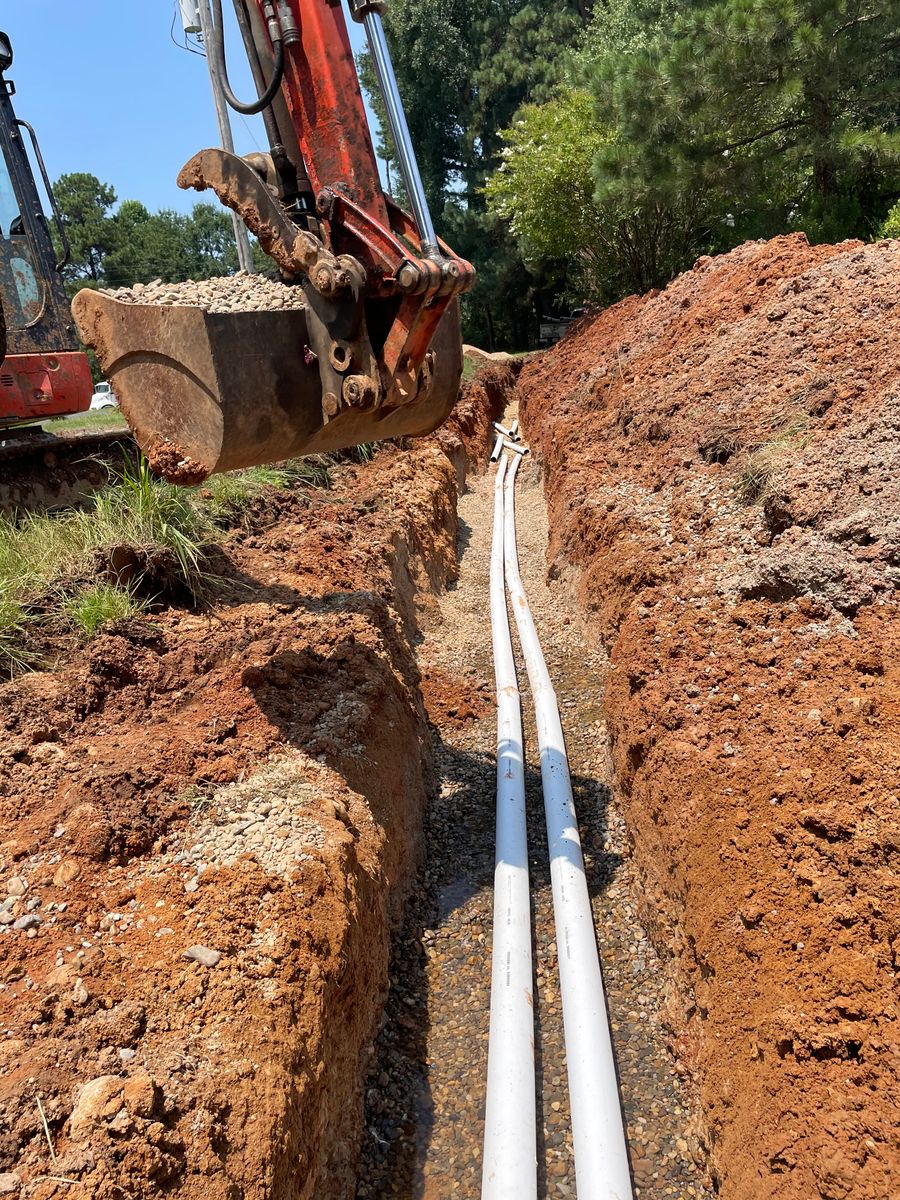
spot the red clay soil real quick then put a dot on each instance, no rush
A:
(287, 720)
(723, 475)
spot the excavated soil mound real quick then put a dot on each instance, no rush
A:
(723, 476)
(209, 823)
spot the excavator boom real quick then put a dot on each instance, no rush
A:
(375, 351)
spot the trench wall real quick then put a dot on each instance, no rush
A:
(721, 474)
(219, 816)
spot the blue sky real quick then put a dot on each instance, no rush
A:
(108, 92)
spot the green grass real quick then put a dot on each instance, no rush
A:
(109, 418)
(38, 549)
(96, 606)
(150, 515)
(64, 568)
(52, 564)
(471, 367)
(231, 494)
(14, 656)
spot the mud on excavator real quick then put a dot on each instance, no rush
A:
(376, 350)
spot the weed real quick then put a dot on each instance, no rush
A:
(312, 471)
(232, 494)
(147, 514)
(96, 606)
(14, 656)
(754, 481)
(36, 550)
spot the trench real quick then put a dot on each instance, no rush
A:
(426, 1085)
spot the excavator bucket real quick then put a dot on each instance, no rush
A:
(208, 392)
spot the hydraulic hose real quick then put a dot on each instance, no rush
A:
(221, 68)
(259, 79)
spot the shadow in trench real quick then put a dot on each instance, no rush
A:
(404, 1140)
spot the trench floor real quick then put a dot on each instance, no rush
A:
(425, 1093)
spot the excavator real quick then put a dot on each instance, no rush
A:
(375, 351)
(43, 374)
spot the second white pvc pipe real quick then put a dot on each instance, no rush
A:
(601, 1156)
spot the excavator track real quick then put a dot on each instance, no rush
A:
(46, 471)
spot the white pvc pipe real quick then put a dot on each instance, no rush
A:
(509, 1170)
(598, 1133)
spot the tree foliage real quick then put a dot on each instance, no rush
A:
(132, 245)
(891, 226)
(464, 69)
(782, 113)
(711, 122)
(546, 193)
(86, 206)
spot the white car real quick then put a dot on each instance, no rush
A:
(104, 397)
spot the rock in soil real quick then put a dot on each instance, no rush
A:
(723, 476)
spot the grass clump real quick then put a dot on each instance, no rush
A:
(14, 654)
(234, 492)
(150, 516)
(67, 566)
(762, 465)
(138, 538)
(89, 610)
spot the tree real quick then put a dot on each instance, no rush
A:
(85, 204)
(148, 246)
(133, 245)
(211, 244)
(544, 189)
(774, 113)
(492, 60)
(890, 227)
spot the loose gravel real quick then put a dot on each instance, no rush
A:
(425, 1096)
(241, 292)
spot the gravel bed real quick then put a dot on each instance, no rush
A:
(241, 292)
(425, 1098)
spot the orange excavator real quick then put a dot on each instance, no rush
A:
(42, 372)
(375, 352)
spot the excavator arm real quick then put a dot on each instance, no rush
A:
(376, 350)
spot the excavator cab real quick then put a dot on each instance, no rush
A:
(375, 352)
(42, 373)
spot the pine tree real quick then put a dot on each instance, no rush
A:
(781, 113)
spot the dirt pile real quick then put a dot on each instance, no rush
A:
(209, 822)
(722, 472)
